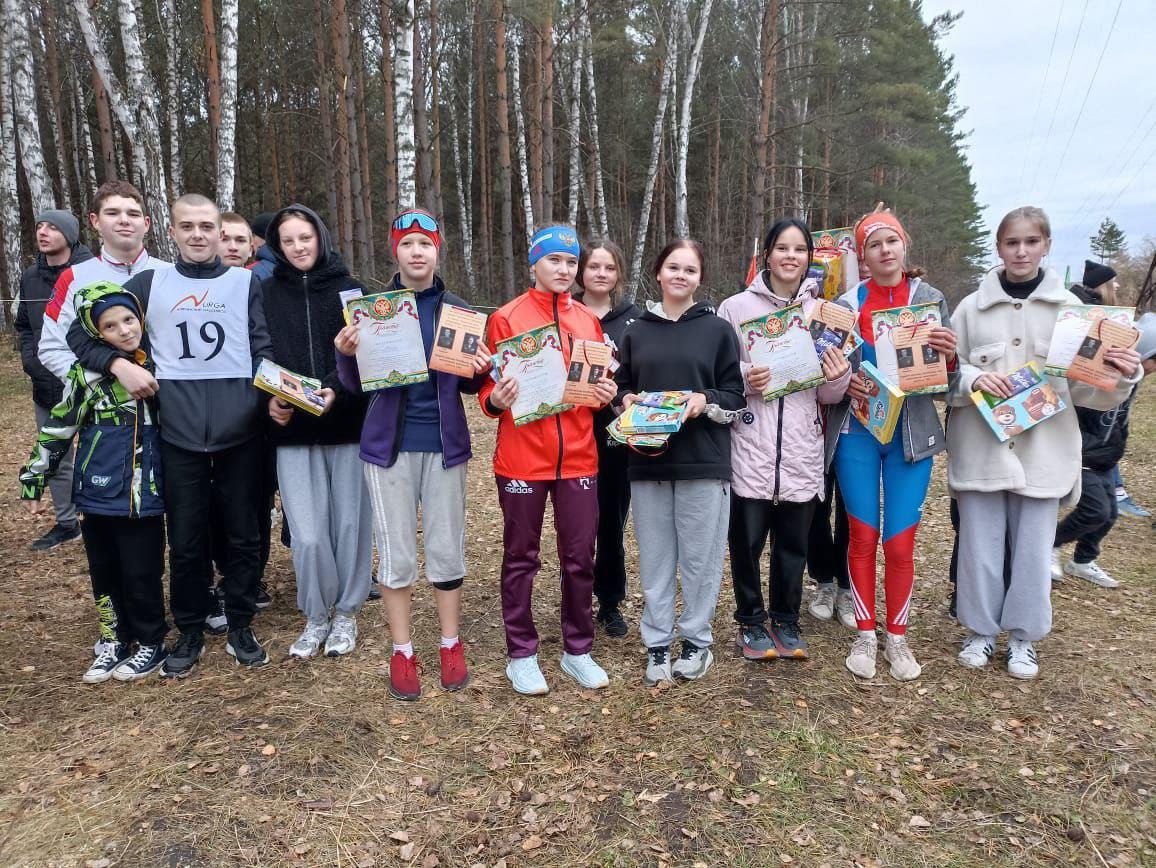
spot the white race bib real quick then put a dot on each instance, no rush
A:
(199, 329)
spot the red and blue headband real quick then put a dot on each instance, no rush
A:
(553, 239)
(414, 221)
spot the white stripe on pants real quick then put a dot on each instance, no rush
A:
(327, 506)
(680, 526)
(1024, 610)
(418, 479)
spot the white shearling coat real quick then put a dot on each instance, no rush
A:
(998, 333)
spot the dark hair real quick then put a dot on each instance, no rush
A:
(115, 187)
(778, 229)
(678, 244)
(615, 253)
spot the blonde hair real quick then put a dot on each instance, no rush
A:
(1031, 214)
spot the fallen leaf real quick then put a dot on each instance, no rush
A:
(532, 843)
(645, 796)
(399, 837)
(318, 805)
(918, 822)
(268, 750)
(405, 851)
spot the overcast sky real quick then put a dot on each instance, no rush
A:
(1028, 141)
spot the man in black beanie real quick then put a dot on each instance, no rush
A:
(263, 257)
(58, 247)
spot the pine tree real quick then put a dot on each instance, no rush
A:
(1109, 241)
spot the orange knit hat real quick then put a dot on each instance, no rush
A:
(873, 222)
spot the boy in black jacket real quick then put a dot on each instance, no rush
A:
(1105, 437)
(206, 325)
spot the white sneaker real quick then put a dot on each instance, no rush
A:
(1057, 565)
(823, 603)
(904, 666)
(658, 666)
(1021, 659)
(977, 651)
(583, 669)
(693, 662)
(526, 677)
(845, 607)
(309, 642)
(861, 660)
(1092, 572)
(342, 637)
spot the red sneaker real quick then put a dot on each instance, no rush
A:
(454, 674)
(403, 677)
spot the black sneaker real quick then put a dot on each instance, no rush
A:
(374, 590)
(184, 655)
(146, 661)
(59, 535)
(612, 621)
(244, 647)
(216, 622)
(789, 640)
(112, 654)
(263, 598)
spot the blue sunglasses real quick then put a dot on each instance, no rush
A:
(424, 221)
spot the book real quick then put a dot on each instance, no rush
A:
(655, 413)
(589, 363)
(536, 360)
(1089, 365)
(457, 336)
(1072, 325)
(903, 353)
(291, 388)
(782, 342)
(1035, 401)
(636, 441)
(879, 413)
(390, 351)
(832, 325)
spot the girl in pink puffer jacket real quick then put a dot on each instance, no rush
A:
(777, 457)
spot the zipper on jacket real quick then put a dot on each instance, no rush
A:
(309, 326)
(778, 453)
(558, 416)
(135, 513)
(437, 388)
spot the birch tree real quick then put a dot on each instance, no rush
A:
(24, 106)
(9, 205)
(403, 104)
(681, 219)
(574, 118)
(385, 19)
(173, 109)
(227, 133)
(602, 223)
(520, 138)
(505, 175)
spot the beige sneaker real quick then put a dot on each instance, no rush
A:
(904, 667)
(861, 660)
(845, 608)
(823, 603)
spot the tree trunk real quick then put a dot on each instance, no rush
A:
(603, 224)
(463, 186)
(519, 117)
(369, 266)
(404, 96)
(574, 116)
(434, 67)
(24, 106)
(485, 212)
(339, 33)
(57, 101)
(505, 177)
(173, 109)
(83, 152)
(9, 203)
(534, 117)
(421, 122)
(388, 110)
(227, 134)
(767, 45)
(326, 106)
(652, 169)
(546, 212)
(681, 218)
(212, 77)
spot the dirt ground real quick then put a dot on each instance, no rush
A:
(788, 763)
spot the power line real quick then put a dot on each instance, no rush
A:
(1059, 98)
(1043, 90)
(1084, 103)
(1095, 211)
(1133, 138)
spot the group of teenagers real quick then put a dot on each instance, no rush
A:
(157, 359)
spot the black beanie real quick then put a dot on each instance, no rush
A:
(260, 224)
(1097, 274)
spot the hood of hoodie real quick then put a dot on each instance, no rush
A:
(78, 253)
(761, 286)
(88, 296)
(329, 262)
(655, 313)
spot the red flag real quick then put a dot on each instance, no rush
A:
(753, 268)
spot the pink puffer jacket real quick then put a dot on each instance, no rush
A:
(777, 448)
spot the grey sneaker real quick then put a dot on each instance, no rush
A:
(755, 643)
(904, 666)
(861, 660)
(657, 666)
(693, 662)
(845, 609)
(342, 637)
(309, 642)
(823, 603)
(788, 639)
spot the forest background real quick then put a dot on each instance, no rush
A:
(636, 120)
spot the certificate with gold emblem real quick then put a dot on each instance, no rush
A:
(390, 351)
(536, 361)
(782, 342)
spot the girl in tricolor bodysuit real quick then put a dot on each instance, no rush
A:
(901, 468)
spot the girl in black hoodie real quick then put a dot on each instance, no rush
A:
(681, 498)
(323, 490)
(601, 274)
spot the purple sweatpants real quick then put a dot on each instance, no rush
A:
(576, 524)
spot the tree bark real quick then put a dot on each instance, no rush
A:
(435, 108)
(520, 119)
(485, 209)
(57, 101)
(390, 120)
(464, 218)
(83, 152)
(339, 33)
(681, 218)
(326, 106)
(24, 107)
(369, 265)
(173, 109)
(421, 122)
(227, 134)
(212, 76)
(603, 224)
(767, 51)
(9, 203)
(546, 212)
(505, 179)
(574, 116)
(403, 88)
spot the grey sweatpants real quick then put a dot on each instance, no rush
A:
(1024, 610)
(327, 506)
(61, 482)
(680, 526)
(418, 480)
